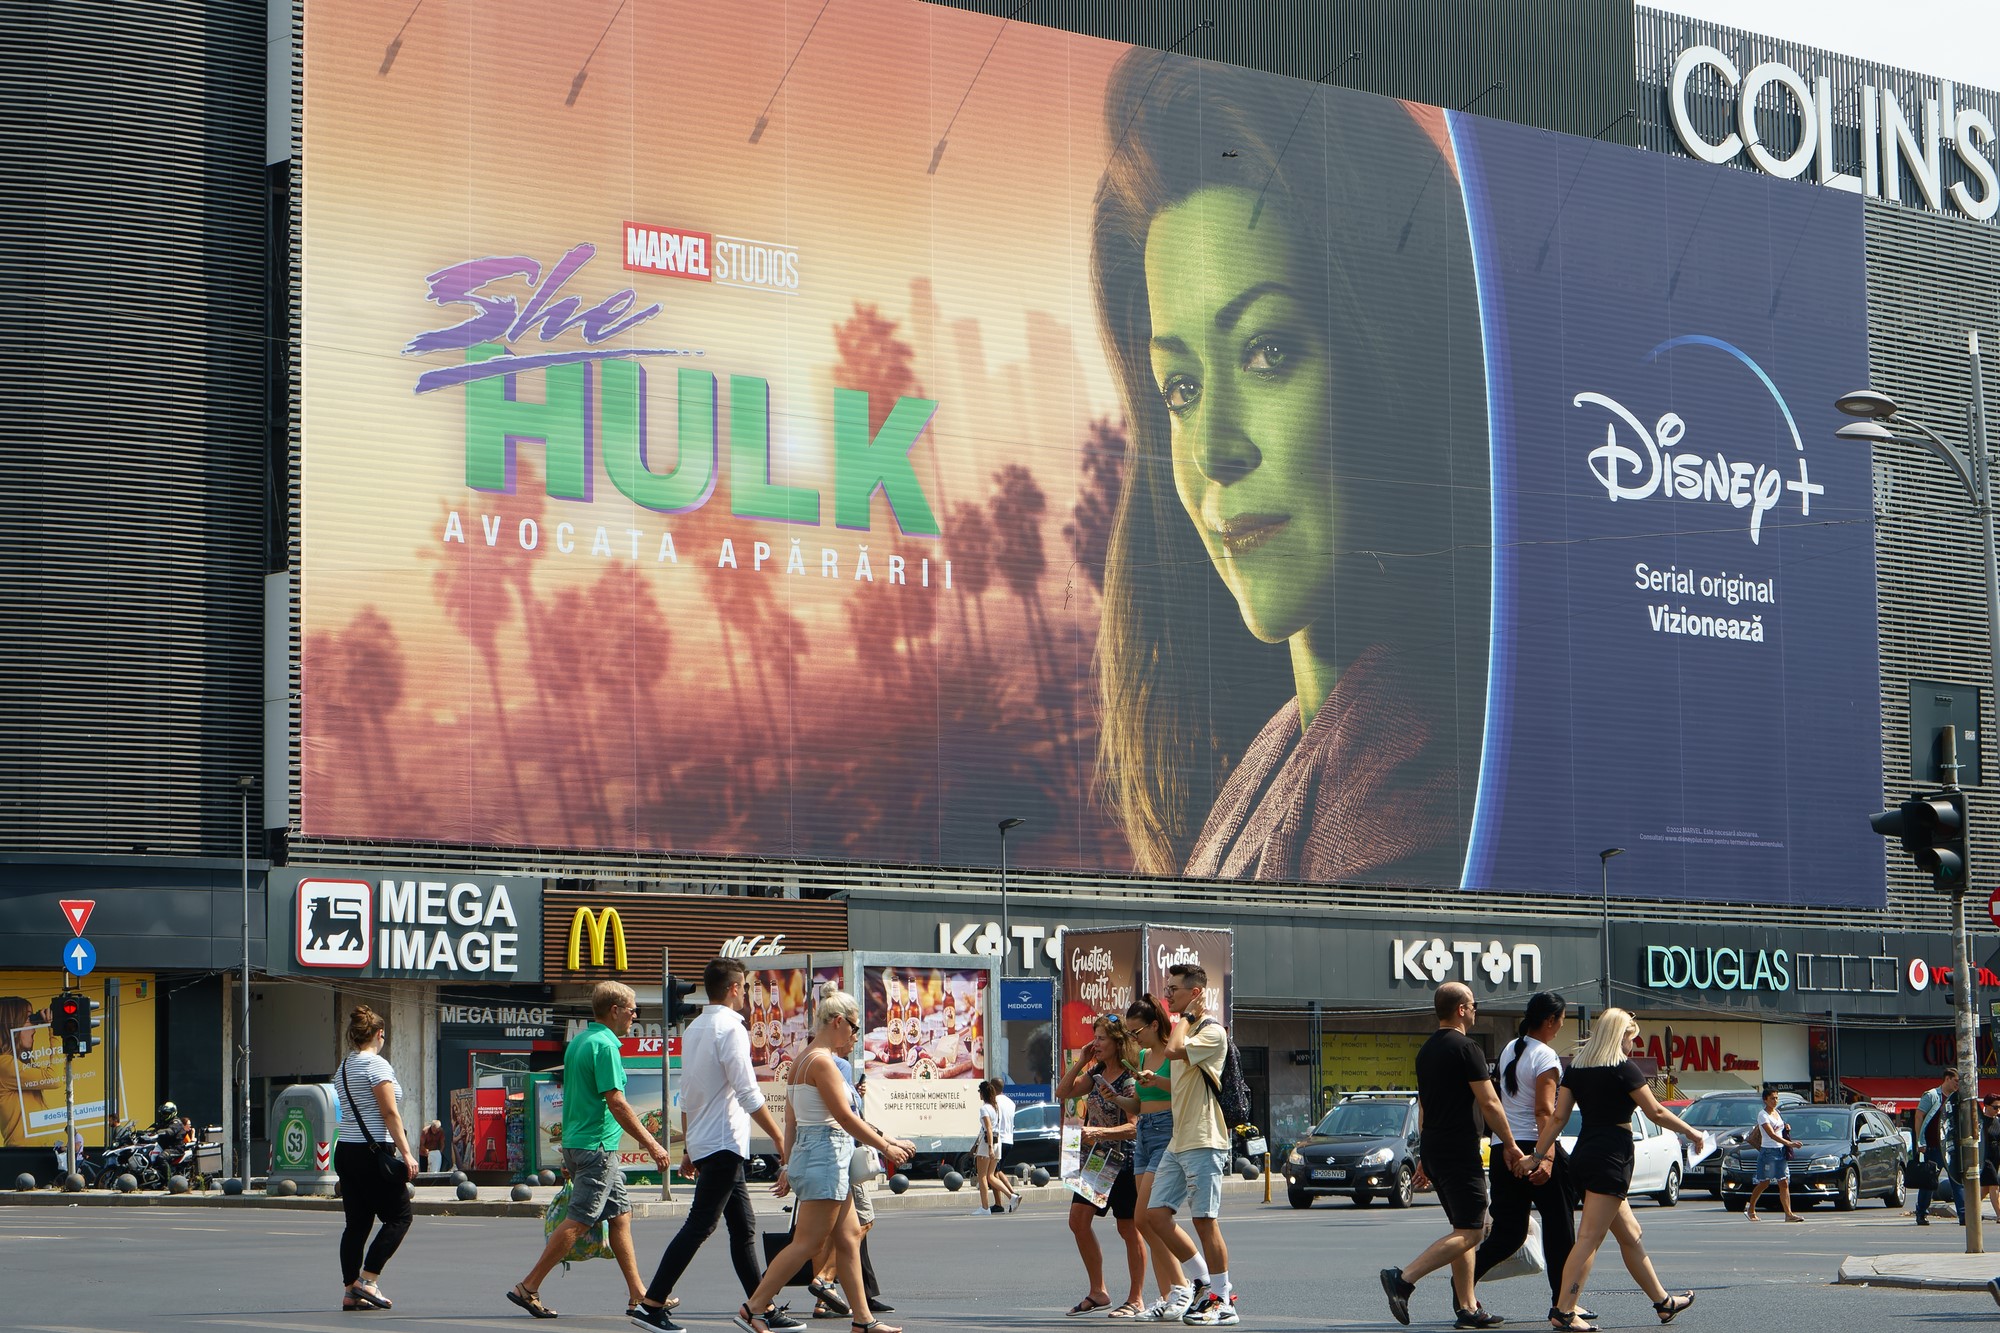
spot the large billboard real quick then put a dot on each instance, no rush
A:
(1235, 477)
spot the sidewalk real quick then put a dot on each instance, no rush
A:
(1930, 1272)
(443, 1200)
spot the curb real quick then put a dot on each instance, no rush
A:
(925, 1198)
(1950, 1272)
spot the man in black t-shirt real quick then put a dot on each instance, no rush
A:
(1454, 1093)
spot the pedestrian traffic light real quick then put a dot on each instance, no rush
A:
(1932, 830)
(677, 994)
(73, 1017)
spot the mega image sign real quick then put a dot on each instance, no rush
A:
(1233, 476)
(405, 924)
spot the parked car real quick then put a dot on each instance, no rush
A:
(1363, 1149)
(1845, 1153)
(1727, 1116)
(1659, 1161)
(1037, 1142)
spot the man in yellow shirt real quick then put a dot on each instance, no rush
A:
(1198, 1153)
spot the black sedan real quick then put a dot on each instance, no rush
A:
(1727, 1116)
(1846, 1153)
(1364, 1149)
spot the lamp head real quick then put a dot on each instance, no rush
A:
(1006, 824)
(1610, 852)
(246, 782)
(1867, 432)
(1866, 404)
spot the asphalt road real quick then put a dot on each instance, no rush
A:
(77, 1270)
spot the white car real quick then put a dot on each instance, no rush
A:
(1658, 1159)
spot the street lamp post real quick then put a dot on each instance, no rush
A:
(244, 786)
(1006, 926)
(1975, 473)
(1604, 871)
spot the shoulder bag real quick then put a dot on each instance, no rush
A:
(388, 1166)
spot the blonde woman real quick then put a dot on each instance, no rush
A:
(1604, 1084)
(1100, 1081)
(821, 1130)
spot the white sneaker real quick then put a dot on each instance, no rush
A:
(1178, 1301)
(1156, 1313)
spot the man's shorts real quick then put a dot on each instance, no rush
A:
(1461, 1192)
(1193, 1177)
(864, 1203)
(596, 1186)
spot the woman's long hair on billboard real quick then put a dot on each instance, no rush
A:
(1361, 194)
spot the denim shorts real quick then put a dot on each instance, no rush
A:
(1193, 1177)
(1772, 1164)
(1150, 1143)
(596, 1186)
(817, 1168)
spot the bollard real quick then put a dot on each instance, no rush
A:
(520, 1194)
(24, 1181)
(467, 1190)
(953, 1180)
(897, 1183)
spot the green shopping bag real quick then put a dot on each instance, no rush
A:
(594, 1243)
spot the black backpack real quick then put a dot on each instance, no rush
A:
(1232, 1092)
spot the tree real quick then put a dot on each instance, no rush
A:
(1089, 530)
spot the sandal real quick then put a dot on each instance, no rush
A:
(347, 1301)
(1129, 1310)
(1672, 1306)
(1087, 1304)
(874, 1326)
(531, 1301)
(370, 1296)
(1571, 1321)
(828, 1298)
(749, 1323)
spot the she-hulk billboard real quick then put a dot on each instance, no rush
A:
(824, 434)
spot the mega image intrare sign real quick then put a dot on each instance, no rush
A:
(1234, 476)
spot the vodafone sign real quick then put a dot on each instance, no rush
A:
(1919, 974)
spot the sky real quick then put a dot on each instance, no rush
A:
(1952, 39)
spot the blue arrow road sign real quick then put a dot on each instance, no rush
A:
(79, 956)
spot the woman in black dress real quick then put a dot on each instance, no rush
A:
(1605, 1085)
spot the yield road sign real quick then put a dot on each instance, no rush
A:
(79, 956)
(77, 912)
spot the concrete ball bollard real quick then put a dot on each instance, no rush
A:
(953, 1181)
(126, 1183)
(74, 1183)
(232, 1186)
(459, 1177)
(547, 1177)
(177, 1184)
(284, 1189)
(1246, 1168)
(24, 1181)
(467, 1190)
(898, 1183)
(520, 1194)
(1038, 1177)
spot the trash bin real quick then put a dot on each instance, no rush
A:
(305, 1121)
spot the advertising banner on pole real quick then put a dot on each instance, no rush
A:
(1236, 477)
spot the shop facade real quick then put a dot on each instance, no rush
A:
(164, 938)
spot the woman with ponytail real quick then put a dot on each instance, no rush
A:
(1529, 1072)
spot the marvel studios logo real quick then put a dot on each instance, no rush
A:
(700, 256)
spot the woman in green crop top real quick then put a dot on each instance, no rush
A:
(1152, 1105)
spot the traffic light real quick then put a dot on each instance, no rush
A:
(1932, 830)
(677, 994)
(73, 1018)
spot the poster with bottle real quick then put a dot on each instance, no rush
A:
(924, 1037)
(778, 1005)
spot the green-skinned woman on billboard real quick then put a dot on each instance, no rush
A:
(1293, 651)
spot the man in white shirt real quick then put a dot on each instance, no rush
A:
(719, 1098)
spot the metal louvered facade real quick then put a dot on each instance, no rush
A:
(1931, 281)
(133, 426)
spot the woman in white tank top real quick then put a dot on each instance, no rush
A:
(821, 1130)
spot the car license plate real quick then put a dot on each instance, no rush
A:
(1330, 1173)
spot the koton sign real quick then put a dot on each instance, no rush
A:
(1434, 962)
(1900, 147)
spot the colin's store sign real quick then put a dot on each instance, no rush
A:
(620, 936)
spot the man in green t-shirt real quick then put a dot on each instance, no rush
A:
(594, 1111)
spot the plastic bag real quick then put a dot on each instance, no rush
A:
(594, 1243)
(1524, 1262)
